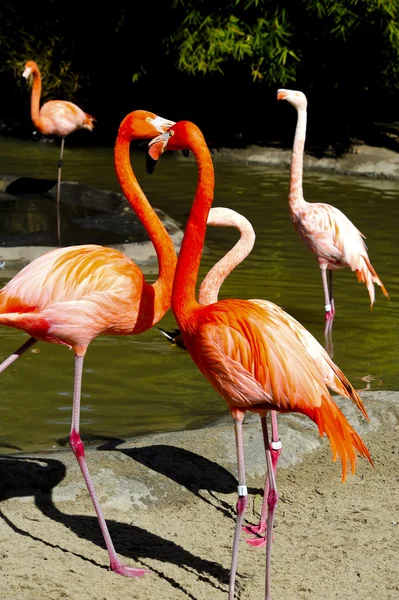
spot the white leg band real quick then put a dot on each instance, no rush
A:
(242, 490)
(276, 445)
(328, 307)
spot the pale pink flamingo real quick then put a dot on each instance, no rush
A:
(250, 354)
(71, 295)
(329, 234)
(56, 117)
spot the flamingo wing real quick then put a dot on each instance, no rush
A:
(256, 362)
(70, 295)
(331, 234)
(253, 361)
(61, 117)
(333, 377)
(68, 274)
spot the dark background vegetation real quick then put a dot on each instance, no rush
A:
(218, 63)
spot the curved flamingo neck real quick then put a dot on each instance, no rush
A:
(160, 238)
(184, 302)
(35, 98)
(210, 287)
(296, 190)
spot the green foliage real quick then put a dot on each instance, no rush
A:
(271, 38)
(50, 51)
(213, 33)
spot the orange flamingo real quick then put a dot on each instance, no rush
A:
(248, 351)
(71, 295)
(329, 234)
(56, 117)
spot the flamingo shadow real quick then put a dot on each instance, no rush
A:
(22, 476)
(187, 469)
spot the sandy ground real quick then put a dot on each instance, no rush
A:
(332, 540)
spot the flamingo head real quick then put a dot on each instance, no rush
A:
(143, 125)
(294, 97)
(174, 139)
(30, 67)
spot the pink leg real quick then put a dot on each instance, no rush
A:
(13, 357)
(79, 451)
(329, 346)
(259, 540)
(241, 504)
(272, 500)
(329, 308)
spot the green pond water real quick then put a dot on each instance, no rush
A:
(141, 384)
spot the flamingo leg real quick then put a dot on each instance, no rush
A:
(13, 357)
(272, 500)
(329, 346)
(328, 307)
(330, 289)
(59, 192)
(275, 448)
(79, 452)
(241, 504)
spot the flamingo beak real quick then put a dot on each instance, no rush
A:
(161, 125)
(281, 94)
(156, 148)
(27, 72)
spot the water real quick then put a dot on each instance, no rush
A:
(141, 384)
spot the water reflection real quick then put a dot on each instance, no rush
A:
(142, 383)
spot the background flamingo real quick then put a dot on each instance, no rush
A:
(71, 295)
(56, 117)
(251, 356)
(329, 234)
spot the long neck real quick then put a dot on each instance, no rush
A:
(296, 191)
(35, 99)
(184, 302)
(210, 287)
(160, 238)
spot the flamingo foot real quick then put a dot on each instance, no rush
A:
(121, 569)
(255, 529)
(258, 540)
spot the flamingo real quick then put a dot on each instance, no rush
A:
(56, 117)
(329, 234)
(71, 295)
(248, 351)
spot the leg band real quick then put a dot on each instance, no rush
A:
(276, 445)
(242, 490)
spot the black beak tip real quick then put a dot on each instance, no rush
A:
(186, 153)
(150, 164)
